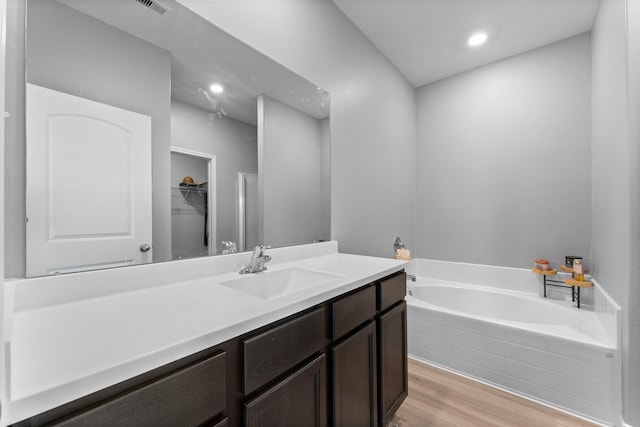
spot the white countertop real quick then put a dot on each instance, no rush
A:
(67, 350)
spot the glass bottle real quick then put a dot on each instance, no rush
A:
(577, 270)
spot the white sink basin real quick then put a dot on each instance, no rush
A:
(279, 283)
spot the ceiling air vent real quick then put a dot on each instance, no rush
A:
(155, 6)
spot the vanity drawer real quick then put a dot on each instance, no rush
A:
(187, 397)
(352, 311)
(277, 350)
(391, 290)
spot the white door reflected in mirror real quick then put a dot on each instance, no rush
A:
(84, 151)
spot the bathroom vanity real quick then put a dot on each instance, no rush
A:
(317, 339)
(204, 352)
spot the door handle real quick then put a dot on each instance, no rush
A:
(144, 247)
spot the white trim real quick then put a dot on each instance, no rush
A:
(5, 308)
(242, 219)
(212, 192)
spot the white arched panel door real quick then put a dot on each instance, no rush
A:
(88, 184)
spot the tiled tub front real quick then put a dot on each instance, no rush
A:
(578, 375)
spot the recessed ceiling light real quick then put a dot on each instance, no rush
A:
(477, 39)
(216, 88)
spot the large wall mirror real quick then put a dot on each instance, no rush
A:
(151, 136)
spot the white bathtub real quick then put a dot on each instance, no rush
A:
(546, 350)
(515, 309)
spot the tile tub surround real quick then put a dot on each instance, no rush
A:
(102, 327)
(580, 378)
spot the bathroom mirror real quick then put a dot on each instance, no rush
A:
(130, 151)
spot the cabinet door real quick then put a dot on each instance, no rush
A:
(354, 379)
(298, 400)
(392, 335)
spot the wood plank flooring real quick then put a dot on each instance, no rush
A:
(443, 399)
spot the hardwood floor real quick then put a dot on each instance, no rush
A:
(440, 398)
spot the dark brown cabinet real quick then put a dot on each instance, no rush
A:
(353, 310)
(392, 361)
(369, 367)
(298, 400)
(277, 350)
(342, 363)
(355, 379)
(221, 423)
(391, 290)
(189, 396)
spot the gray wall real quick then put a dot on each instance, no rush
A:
(372, 112)
(235, 146)
(72, 53)
(504, 160)
(615, 168)
(289, 145)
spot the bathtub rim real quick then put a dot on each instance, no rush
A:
(610, 344)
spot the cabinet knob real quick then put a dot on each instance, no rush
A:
(145, 247)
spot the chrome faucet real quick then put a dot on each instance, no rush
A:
(258, 260)
(229, 247)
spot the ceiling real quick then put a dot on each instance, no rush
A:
(427, 39)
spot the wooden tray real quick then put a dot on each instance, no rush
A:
(583, 284)
(549, 272)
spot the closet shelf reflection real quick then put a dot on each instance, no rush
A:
(187, 190)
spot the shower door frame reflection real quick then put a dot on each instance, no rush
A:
(248, 234)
